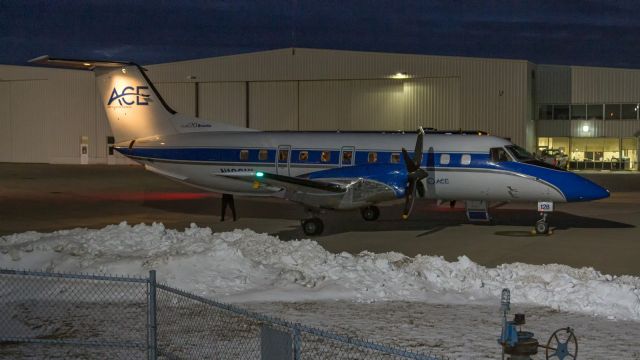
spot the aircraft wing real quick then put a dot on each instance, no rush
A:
(336, 193)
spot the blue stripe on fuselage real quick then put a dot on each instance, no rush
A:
(573, 186)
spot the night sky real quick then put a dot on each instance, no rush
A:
(597, 33)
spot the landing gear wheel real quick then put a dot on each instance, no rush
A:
(313, 226)
(370, 213)
(542, 227)
(562, 344)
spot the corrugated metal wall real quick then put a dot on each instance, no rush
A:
(6, 134)
(273, 105)
(311, 89)
(223, 101)
(489, 94)
(46, 111)
(587, 85)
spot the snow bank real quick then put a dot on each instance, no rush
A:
(245, 266)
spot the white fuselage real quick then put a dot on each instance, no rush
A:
(202, 159)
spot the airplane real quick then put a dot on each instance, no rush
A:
(325, 170)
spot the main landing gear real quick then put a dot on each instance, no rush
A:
(312, 226)
(370, 213)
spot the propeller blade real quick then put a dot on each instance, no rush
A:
(417, 154)
(409, 199)
(420, 187)
(408, 161)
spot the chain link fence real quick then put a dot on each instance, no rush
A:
(61, 316)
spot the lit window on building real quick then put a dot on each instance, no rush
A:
(373, 157)
(466, 159)
(612, 111)
(244, 155)
(395, 158)
(303, 156)
(263, 155)
(325, 156)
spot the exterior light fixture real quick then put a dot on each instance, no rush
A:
(86, 64)
(400, 75)
(124, 71)
(585, 128)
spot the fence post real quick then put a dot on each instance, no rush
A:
(152, 338)
(297, 343)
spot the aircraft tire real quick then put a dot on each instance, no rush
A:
(542, 227)
(370, 213)
(313, 226)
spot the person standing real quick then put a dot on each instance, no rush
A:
(227, 200)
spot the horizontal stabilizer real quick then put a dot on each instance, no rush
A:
(78, 63)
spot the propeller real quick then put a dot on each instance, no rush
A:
(414, 174)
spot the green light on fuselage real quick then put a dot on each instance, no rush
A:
(259, 174)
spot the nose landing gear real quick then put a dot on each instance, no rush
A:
(542, 225)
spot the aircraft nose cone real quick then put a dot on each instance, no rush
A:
(582, 189)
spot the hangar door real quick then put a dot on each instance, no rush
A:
(22, 121)
(379, 104)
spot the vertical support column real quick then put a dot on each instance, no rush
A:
(246, 105)
(197, 99)
(297, 343)
(152, 338)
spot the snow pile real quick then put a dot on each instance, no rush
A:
(245, 266)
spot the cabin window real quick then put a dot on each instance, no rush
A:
(373, 157)
(466, 159)
(395, 158)
(325, 156)
(445, 159)
(263, 155)
(244, 155)
(283, 155)
(347, 157)
(498, 155)
(304, 156)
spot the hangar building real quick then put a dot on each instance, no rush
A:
(48, 115)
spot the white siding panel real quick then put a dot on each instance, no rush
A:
(223, 101)
(5, 122)
(273, 105)
(181, 97)
(28, 110)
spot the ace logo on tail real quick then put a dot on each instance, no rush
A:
(126, 96)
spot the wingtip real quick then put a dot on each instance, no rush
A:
(39, 59)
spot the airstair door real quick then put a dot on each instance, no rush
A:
(347, 156)
(283, 160)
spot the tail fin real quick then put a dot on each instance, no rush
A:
(133, 105)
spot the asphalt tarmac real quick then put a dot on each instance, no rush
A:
(604, 234)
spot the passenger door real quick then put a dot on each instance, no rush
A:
(347, 156)
(283, 160)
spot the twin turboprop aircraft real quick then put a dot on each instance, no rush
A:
(325, 170)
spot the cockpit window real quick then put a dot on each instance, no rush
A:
(519, 153)
(499, 155)
(526, 157)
